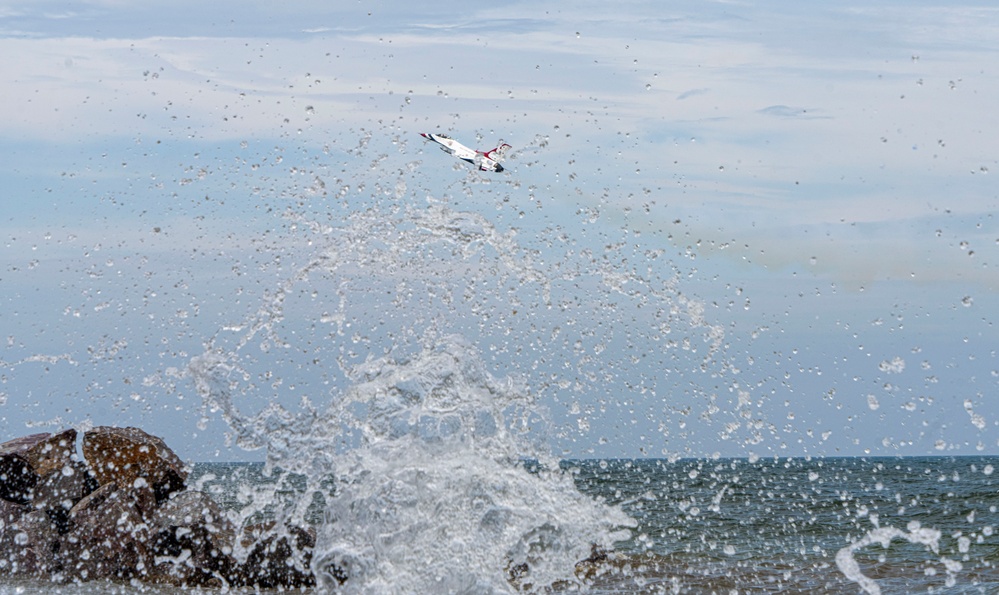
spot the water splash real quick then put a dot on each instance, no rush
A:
(444, 479)
(438, 497)
(916, 535)
(438, 448)
(434, 492)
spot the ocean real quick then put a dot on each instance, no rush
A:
(911, 525)
(829, 525)
(411, 417)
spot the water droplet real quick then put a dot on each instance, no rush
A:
(648, 87)
(967, 301)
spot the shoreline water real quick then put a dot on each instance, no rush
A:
(710, 524)
(732, 525)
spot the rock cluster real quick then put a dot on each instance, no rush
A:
(125, 513)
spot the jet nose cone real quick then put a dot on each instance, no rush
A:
(499, 168)
(424, 135)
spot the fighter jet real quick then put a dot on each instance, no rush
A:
(485, 161)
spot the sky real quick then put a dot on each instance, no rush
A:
(724, 228)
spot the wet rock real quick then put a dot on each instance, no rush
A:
(277, 559)
(59, 491)
(10, 514)
(25, 460)
(133, 459)
(192, 541)
(54, 453)
(599, 561)
(36, 545)
(127, 516)
(108, 538)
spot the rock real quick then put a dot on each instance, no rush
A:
(25, 460)
(59, 491)
(133, 459)
(127, 516)
(10, 514)
(108, 538)
(192, 540)
(277, 559)
(37, 545)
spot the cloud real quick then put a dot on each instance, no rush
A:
(873, 138)
(691, 93)
(784, 111)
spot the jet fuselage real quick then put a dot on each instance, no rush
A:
(484, 160)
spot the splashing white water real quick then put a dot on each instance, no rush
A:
(434, 496)
(883, 536)
(444, 480)
(437, 498)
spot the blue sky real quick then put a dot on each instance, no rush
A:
(815, 182)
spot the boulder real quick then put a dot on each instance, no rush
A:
(59, 491)
(127, 516)
(278, 559)
(36, 545)
(192, 540)
(108, 538)
(10, 514)
(25, 460)
(133, 459)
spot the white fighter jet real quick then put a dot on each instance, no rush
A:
(484, 160)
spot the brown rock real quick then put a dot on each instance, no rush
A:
(192, 540)
(278, 559)
(10, 514)
(131, 458)
(59, 491)
(36, 546)
(108, 538)
(25, 460)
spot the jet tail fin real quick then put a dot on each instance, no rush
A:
(498, 153)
